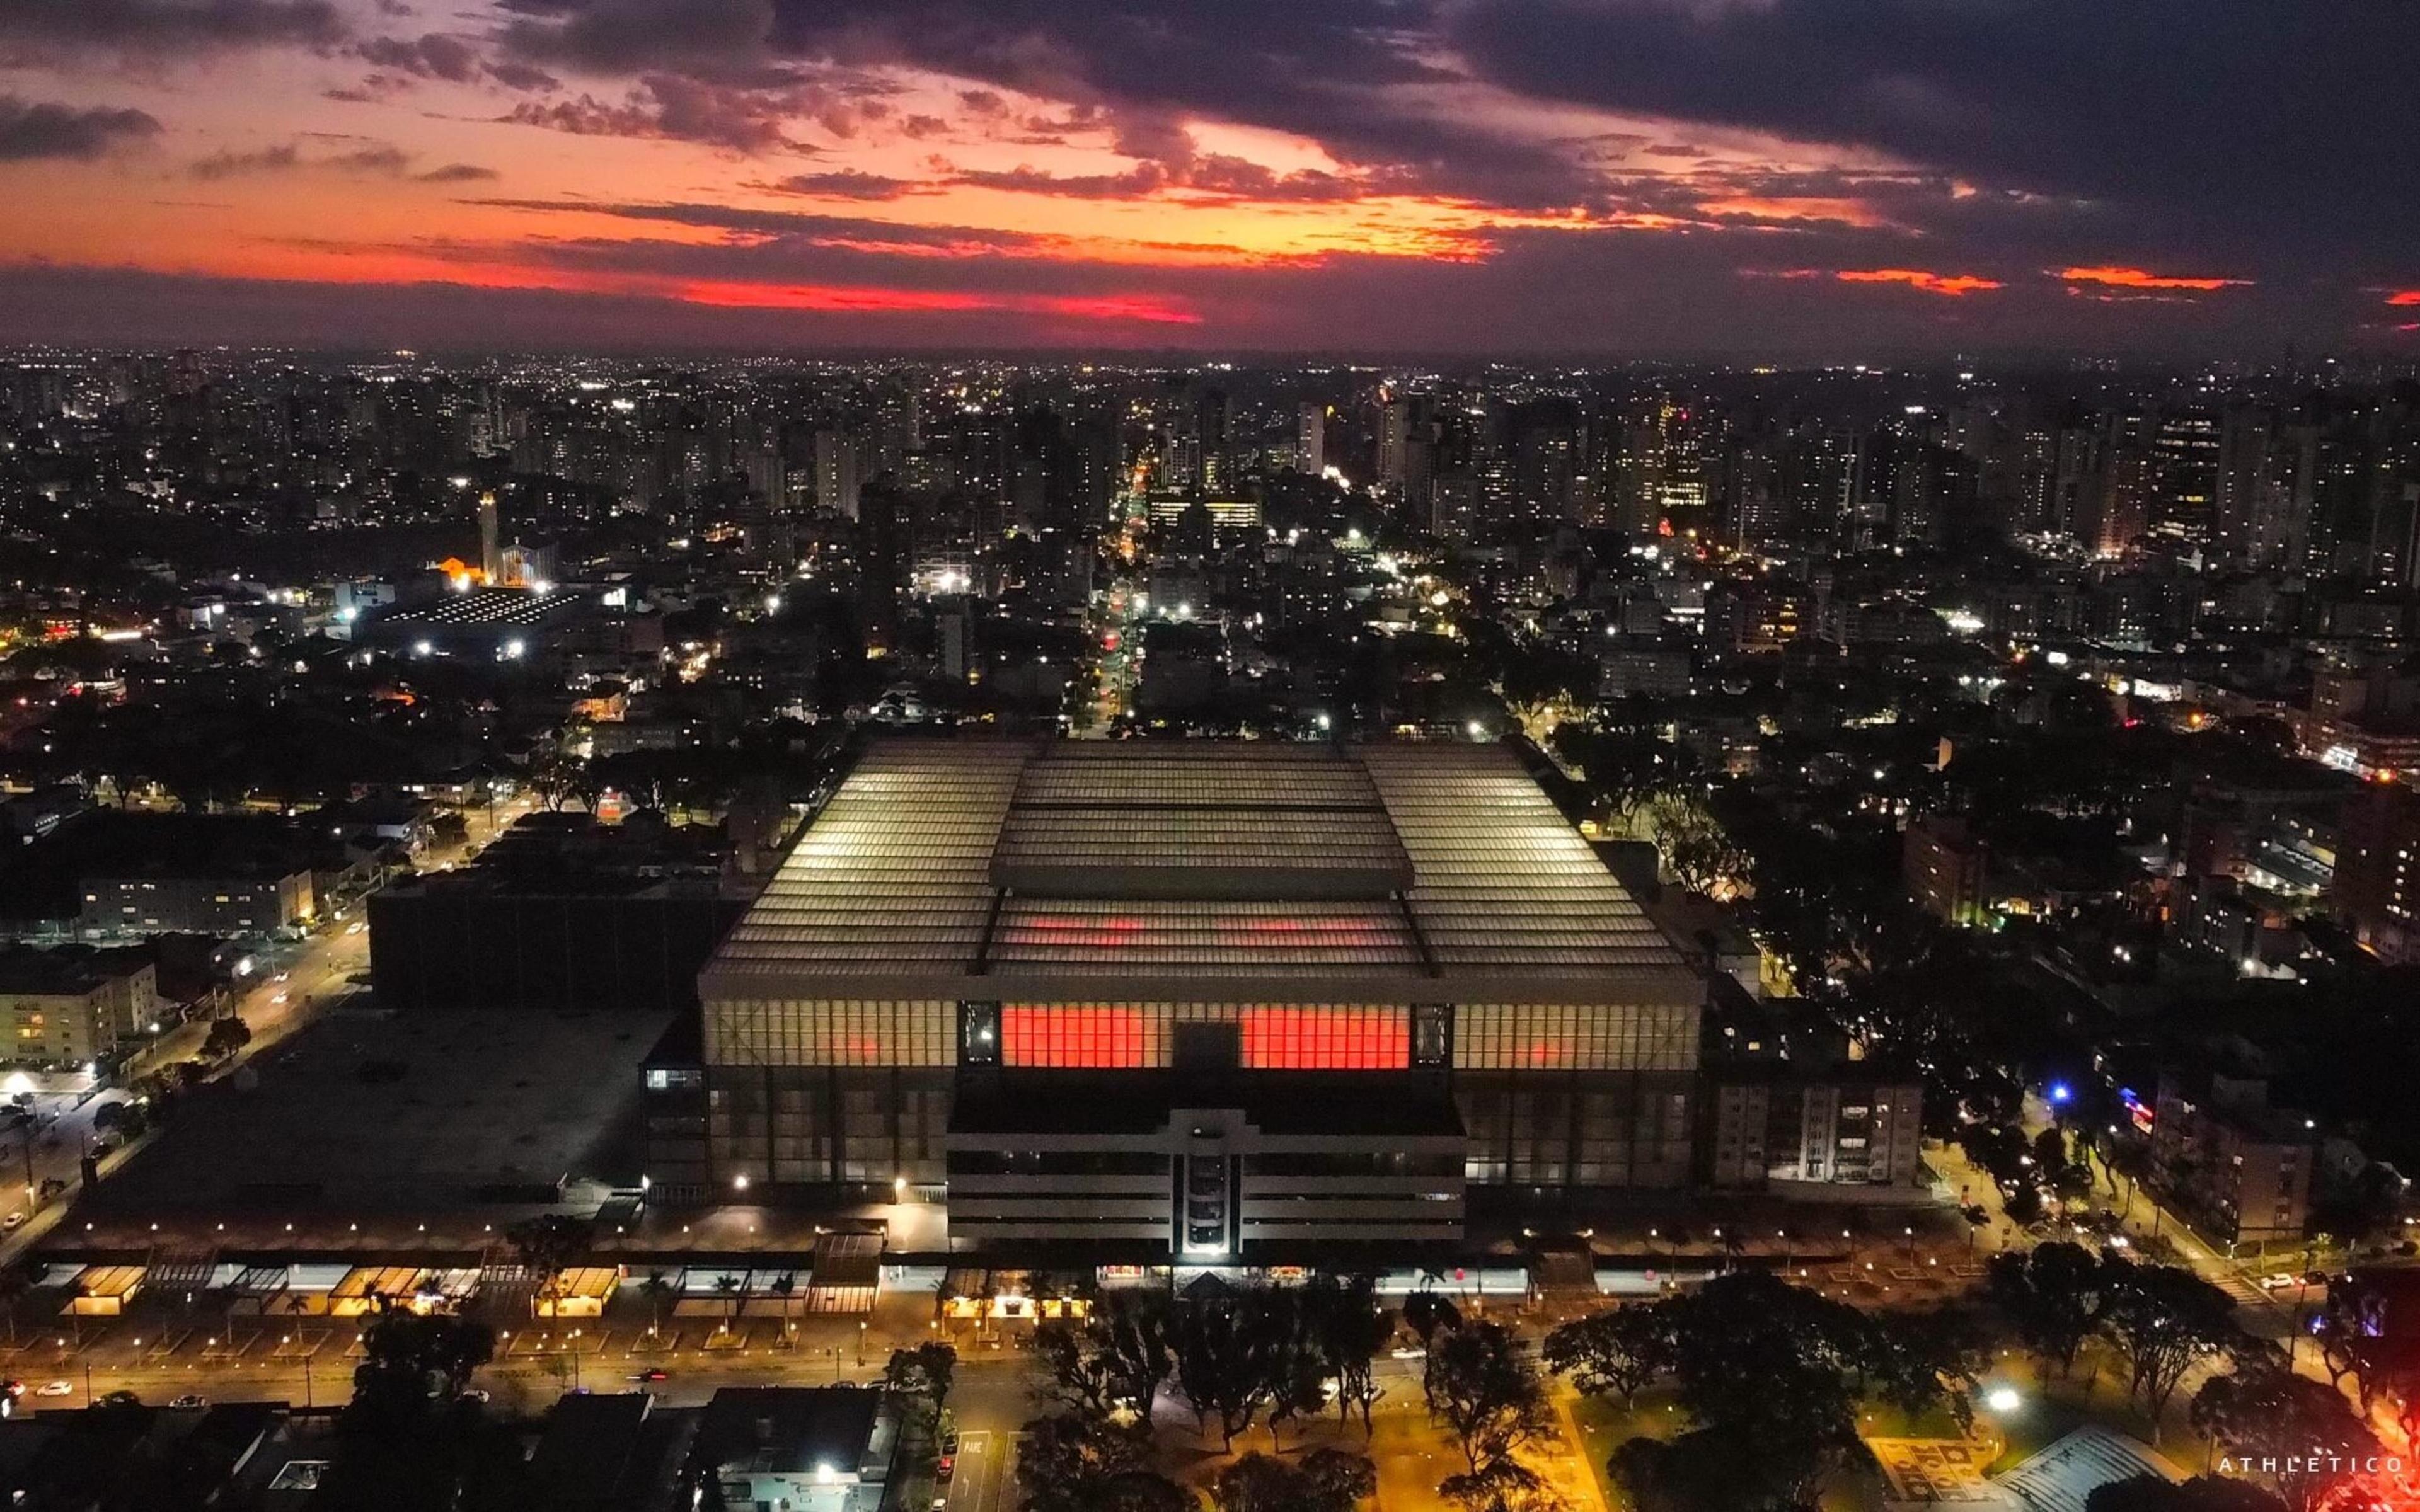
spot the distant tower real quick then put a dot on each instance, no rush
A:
(492, 547)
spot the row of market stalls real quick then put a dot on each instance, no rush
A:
(842, 1275)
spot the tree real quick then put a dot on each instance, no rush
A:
(1327, 1480)
(1117, 1356)
(1349, 1327)
(2052, 1294)
(1914, 1360)
(1220, 1367)
(410, 1438)
(658, 1287)
(2203, 1494)
(919, 1379)
(1501, 1486)
(2167, 1320)
(1131, 1331)
(1621, 1350)
(409, 1360)
(2286, 1420)
(547, 1245)
(1427, 1315)
(1769, 1371)
(1339, 1481)
(1486, 1392)
(1070, 1463)
(226, 1036)
(1711, 1470)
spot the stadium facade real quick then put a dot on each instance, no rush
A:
(1203, 999)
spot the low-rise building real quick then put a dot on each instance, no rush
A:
(1785, 1107)
(808, 1449)
(69, 1006)
(1781, 1128)
(1943, 864)
(2236, 1168)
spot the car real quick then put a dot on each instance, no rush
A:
(277, 997)
(14, 1388)
(189, 1402)
(1409, 1351)
(940, 1500)
(13, 1222)
(946, 1466)
(120, 1398)
(653, 1373)
(56, 1388)
(2282, 1279)
(950, 1445)
(473, 1394)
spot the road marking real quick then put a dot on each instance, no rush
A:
(970, 1480)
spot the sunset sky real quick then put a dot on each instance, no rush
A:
(1750, 177)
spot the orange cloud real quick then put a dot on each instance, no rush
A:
(830, 297)
(2137, 278)
(1953, 284)
(1795, 208)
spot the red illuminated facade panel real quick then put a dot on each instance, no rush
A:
(1076, 1037)
(1289, 1036)
(1326, 1039)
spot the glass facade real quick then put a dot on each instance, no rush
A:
(1605, 1129)
(1573, 1037)
(811, 1126)
(851, 1032)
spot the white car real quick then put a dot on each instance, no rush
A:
(2280, 1281)
(56, 1388)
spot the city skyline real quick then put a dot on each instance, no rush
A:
(1792, 180)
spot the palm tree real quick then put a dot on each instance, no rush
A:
(658, 1287)
(729, 1286)
(783, 1284)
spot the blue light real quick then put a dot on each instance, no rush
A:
(2061, 1092)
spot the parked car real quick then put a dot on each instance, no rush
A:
(56, 1388)
(189, 1402)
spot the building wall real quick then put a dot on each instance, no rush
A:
(858, 1090)
(197, 906)
(48, 1027)
(1249, 1187)
(1852, 1133)
(2232, 1178)
(1943, 868)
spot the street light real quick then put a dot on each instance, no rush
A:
(2003, 1399)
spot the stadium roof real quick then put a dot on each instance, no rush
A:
(1135, 871)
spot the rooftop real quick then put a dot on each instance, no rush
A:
(363, 1112)
(1373, 867)
(787, 1429)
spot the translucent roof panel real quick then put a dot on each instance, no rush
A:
(1503, 881)
(1220, 860)
(1198, 820)
(895, 872)
(1161, 938)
